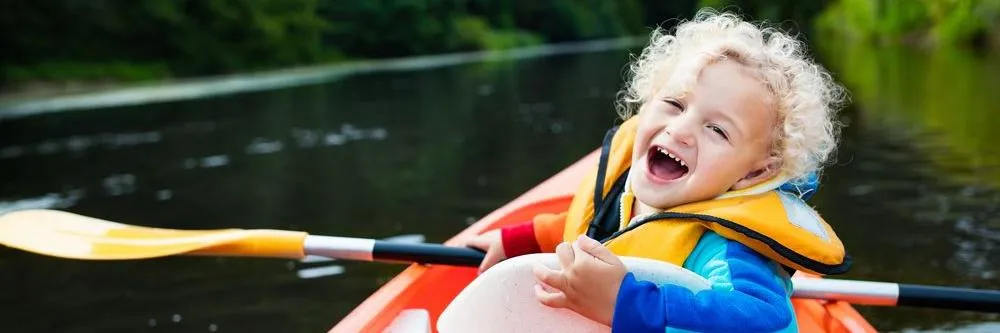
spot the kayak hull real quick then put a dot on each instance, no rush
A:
(431, 288)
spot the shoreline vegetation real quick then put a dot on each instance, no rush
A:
(73, 45)
(926, 24)
(122, 94)
(80, 47)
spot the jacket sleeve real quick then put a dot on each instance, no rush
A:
(748, 294)
(542, 234)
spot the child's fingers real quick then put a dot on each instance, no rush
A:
(478, 243)
(547, 288)
(493, 256)
(565, 253)
(483, 241)
(550, 277)
(596, 249)
(580, 255)
(552, 299)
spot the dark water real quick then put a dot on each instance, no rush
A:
(426, 153)
(914, 194)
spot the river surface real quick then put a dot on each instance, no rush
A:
(419, 155)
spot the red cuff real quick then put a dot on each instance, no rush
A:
(519, 240)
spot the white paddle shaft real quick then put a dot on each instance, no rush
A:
(855, 292)
(348, 248)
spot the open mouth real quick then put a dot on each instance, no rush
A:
(664, 165)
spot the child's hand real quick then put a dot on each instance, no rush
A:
(492, 244)
(588, 282)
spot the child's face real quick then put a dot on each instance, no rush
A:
(715, 138)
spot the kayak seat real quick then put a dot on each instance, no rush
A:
(502, 299)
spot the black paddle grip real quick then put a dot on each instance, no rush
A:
(428, 254)
(949, 298)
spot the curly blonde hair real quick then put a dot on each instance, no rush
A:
(805, 94)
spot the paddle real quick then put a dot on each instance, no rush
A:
(68, 235)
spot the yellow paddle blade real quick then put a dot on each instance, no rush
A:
(68, 235)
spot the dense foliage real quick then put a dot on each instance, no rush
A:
(94, 40)
(929, 22)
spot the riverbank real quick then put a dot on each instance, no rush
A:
(81, 97)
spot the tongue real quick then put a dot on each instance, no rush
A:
(663, 166)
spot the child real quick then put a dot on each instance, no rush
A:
(733, 124)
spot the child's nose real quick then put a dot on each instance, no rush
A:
(684, 137)
(682, 130)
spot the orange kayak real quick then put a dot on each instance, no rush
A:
(429, 289)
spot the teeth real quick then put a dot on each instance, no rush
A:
(664, 152)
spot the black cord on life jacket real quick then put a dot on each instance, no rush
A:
(606, 213)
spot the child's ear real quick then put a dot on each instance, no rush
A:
(763, 170)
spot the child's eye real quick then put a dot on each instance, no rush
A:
(677, 104)
(718, 130)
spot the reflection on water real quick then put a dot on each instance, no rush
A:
(914, 193)
(947, 96)
(315, 272)
(971, 328)
(77, 145)
(914, 225)
(48, 201)
(206, 162)
(418, 154)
